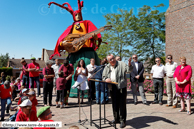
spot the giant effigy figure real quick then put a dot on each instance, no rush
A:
(80, 40)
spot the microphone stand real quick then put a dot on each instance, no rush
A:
(79, 86)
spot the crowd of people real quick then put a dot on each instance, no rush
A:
(58, 78)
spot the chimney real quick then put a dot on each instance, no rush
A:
(12, 57)
(23, 58)
(43, 54)
(39, 58)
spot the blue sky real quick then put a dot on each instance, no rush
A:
(27, 26)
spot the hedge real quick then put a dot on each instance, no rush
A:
(7, 71)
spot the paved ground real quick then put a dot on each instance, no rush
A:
(138, 116)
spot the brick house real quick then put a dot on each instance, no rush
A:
(15, 63)
(180, 30)
(47, 53)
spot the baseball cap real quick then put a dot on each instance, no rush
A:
(31, 93)
(24, 98)
(33, 58)
(25, 103)
(24, 90)
(41, 110)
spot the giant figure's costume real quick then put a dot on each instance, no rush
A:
(78, 27)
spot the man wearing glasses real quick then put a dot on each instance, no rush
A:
(158, 73)
(170, 82)
(136, 77)
(115, 71)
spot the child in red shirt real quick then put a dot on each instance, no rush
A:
(60, 85)
(26, 113)
(24, 93)
(31, 96)
(45, 115)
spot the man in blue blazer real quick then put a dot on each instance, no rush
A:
(136, 78)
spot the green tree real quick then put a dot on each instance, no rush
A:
(149, 34)
(119, 38)
(4, 59)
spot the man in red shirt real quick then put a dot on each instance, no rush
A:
(33, 69)
(49, 74)
(25, 78)
(68, 72)
(5, 97)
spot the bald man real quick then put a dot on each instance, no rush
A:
(115, 71)
(158, 73)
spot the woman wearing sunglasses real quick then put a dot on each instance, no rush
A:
(182, 75)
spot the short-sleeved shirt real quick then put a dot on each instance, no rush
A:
(33, 73)
(60, 83)
(56, 69)
(48, 71)
(44, 127)
(170, 68)
(158, 71)
(67, 71)
(5, 93)
(25, 72)
(90, 69)
(23, 117)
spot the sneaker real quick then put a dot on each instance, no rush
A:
(57, 106)
(61, 106)
(174, 106)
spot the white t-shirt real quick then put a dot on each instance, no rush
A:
(170, 69)
(56, 69)
(158, 71)
(91, 69)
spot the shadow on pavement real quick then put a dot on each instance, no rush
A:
(142, 122)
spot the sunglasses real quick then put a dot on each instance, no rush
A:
(134, 57)
(157, 60)
(49, 113)
(170, 58)
(30, 95)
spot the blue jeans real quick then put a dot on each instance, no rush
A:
(36, 79)
(3, 103)
(25, 81)
(13, 117)
(100, 92)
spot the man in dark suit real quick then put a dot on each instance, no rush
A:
(136, 78)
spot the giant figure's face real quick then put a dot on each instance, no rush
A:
(78, 17)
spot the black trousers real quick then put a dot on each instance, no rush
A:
(47, 90)
(91, 91)
(60, 95)
(158, 89)
(119, 98)
(67, 87)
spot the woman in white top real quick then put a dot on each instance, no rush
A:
(81, 83)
